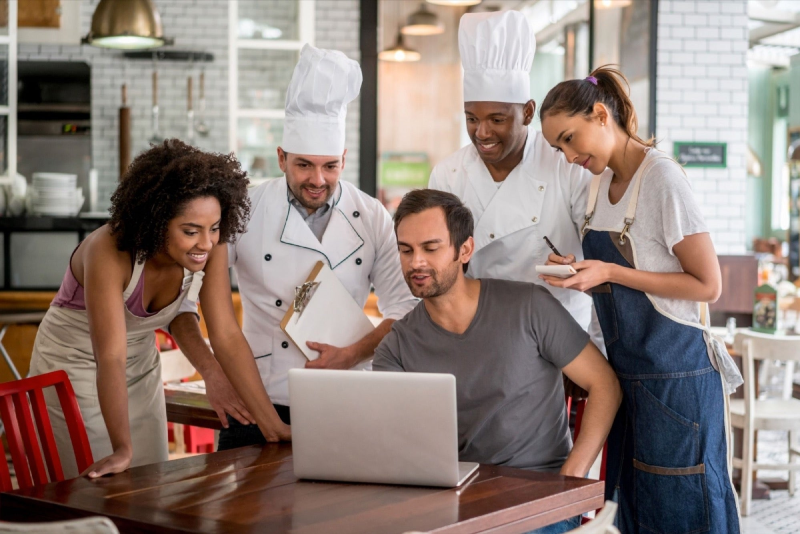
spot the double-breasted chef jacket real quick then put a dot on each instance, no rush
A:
(543, 196)
(279, 250)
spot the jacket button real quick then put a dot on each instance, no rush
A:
(356, 214)
(358, 261)
(278, 303)
(491, 236)
(541, 188)
(268, 257)
(285, 344)
(535, 219)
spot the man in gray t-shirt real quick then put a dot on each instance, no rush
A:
(505, 342)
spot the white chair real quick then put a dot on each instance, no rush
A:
(603, 523)
(751, 413)
(87, 525)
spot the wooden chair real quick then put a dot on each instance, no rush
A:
(751, 413)
(27, 443)
(603, 523)
(86, 525)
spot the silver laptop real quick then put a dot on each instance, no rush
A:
(379, 427)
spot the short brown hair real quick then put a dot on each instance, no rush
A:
(460, 223)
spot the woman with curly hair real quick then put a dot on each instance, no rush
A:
(172, 214)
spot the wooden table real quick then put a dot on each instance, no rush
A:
(253, 489)
(190, 408)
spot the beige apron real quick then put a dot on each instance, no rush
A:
(63, 342)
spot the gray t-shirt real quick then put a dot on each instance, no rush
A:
(507, 363)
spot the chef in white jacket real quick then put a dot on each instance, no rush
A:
(309, 216)
(518, 188)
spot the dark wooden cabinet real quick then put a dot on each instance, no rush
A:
(739, 280)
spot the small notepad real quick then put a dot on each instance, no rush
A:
(559, 271)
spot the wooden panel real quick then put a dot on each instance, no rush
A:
(420, 104)
(739, 279)
(253, 489)
(39, 14)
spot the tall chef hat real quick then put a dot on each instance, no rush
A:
(323, 83)
(496, 52)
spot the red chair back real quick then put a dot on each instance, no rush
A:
(27, 443)
(579, 408)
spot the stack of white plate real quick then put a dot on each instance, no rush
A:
(55, 194)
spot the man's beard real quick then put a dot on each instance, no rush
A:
(437, 287)
(311, 204)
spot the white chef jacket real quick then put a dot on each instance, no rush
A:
(543, 196)
(278, 251)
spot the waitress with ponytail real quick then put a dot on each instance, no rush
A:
(651, 268)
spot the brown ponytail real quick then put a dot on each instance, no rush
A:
(606, 85)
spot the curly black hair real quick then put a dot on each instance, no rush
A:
(161, 181)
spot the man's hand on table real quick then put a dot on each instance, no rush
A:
(331, 357)
(224, 399)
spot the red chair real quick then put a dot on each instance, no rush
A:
(26, 443)
(579, 408)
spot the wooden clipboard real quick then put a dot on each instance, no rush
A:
(328, 315)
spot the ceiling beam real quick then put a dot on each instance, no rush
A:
(769, 30)
(756, 12)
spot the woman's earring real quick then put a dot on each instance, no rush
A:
(602, 124)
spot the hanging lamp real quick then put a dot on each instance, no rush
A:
(126, 25)
(611, 4)
(399, 52)
(455, 2)
(422, 22)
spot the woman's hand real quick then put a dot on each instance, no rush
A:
(117, 462)
(591, 273)
(554, 259)
(276, 431)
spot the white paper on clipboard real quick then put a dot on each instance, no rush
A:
(330, 316)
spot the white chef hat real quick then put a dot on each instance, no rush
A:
(496, 52)
(323, 83)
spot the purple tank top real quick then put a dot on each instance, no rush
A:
(70, 295)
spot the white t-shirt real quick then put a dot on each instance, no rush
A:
(666, 213)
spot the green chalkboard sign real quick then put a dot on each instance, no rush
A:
(691, 154)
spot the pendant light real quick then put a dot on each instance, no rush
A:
(611, 4)
(422, 22)
(455, 2)
(399, 52)
(127, 25)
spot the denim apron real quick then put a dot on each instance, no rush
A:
(668, 463)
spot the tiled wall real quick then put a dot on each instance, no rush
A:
(200, 25)
(702, 96)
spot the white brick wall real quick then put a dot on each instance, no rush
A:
(702, 96)
(200, 25)
(337, 26)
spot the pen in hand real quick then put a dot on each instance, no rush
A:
(553, 248)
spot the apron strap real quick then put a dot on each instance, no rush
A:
(594, 189)
(638, 177)
(138, 268)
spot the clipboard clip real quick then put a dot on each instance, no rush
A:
(302, 294)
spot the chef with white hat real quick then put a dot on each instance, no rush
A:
(518, 188)
(309, 216)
